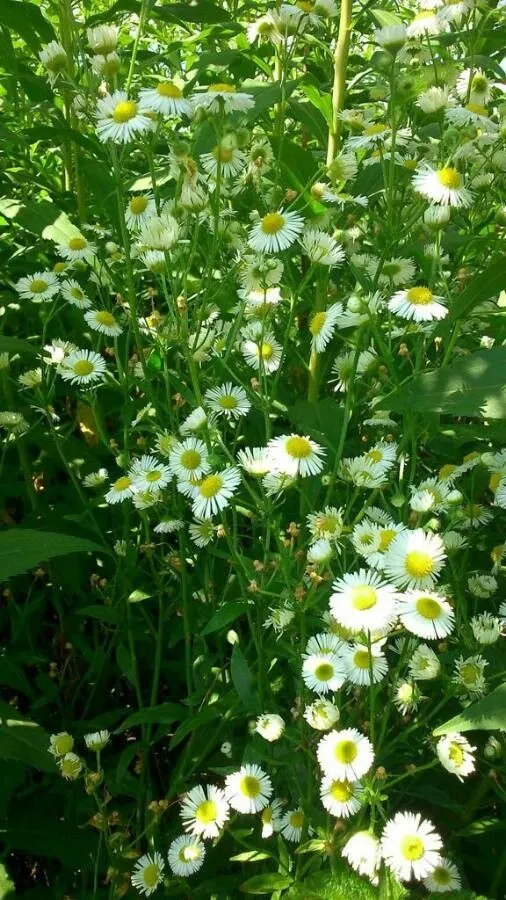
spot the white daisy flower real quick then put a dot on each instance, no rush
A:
(189, 458)
(77, 247)
(262, 350)
(74, 294)
(42, 286)
(102, 39)
(341, 798)
(360, 663)
(54, 59)
(107, 65)
(95, 479)
(155, 261)
(97, 740)
(486, 628)
(362, 852)
(324, 642)
(473, 83)
(204, 811)
(391, 37)
(271, 818)
(194, 421)
(165, 98)
(455, 10)
(407, 697)
(186, 855)
(365, 538)
(321, 552)
(363, 601)
(159, 233)
(227, 157)
(139, 210)
(212, 493)
(410, 846)
(295, 455)
(70, 766)
(471, 114)
(323, 672)
(321, 248)
(434, 99)
(445, 186)
(168, 526)
(472, 515)
(292, 824)
(147, 873)
(436, 217)
(415, 559)
(426, 22)
(346, 755)
(275, 231)
(224, 95)
(119, 119)
(228, 400)
(424, 663)
(344, 364)
(121, 489)
(385, 534)
(248, 790)
(270, 726)
(363, 472)
(444, 878)
(456, 754)
(322, 714)
(327, 524)
(428, 615)
(103, 321)
(382, 454)
(396, 271)
(254, 461)
(417, 304)
(13, 422)
(82, 367)
(322, 326)
(149, 474)
(469, 677)
(279, 618)
(202, 532)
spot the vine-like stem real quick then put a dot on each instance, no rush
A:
(339, 85)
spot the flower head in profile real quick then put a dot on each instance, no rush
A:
(322, 326)
(456, 754)
(362, 851)
(165, 98)
(224, 96)
(54, 59)
(147, 873)
(321, 248)
(103, 39)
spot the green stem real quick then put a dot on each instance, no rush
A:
(338, 88)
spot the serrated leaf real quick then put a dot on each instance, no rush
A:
(224, 616)
(487, 714)
(23, 548)
(265, 884)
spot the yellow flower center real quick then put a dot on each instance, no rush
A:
(70, 767)
(266, 351)
(207, 812)
(38, 286)
(341, 791)
(190, 459)
(428, 608)
(405, 692)
(223, 154)
(479, 84)
(363, 597)
(345, 751)
(377, 128)
(305, 5)
(375, 456)
(153, 476)
(63, 744)
(210, 486)
(412, 847)
(419, 564)
(456, 754)
(326, 524)
(122, 483)
(77, 243)
(469, 674)
(477, 108)
(272, 223)
(228, 401)
(495, 478)
(419, 296)
(298, 447)
(386, 537)
(151, 875)
(169, 89)
(450, 178)
(249, 786)
(296, 819)
(441, 876)
(361, 659)
(76, 293)
(138, 205)
(317, 323)
(83, 367)
(472, 511)
(410, 164)
(105, 318)
(124, 111)
(221, 88)
(324, 672)
(266, 816)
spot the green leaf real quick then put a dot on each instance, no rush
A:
(206, 715)
(108, 614)
(323, 419)
(265, 884)
(34, 217)
(14, 345)
(473, 386)
(322, 102)
(23, 548)
(61, 230)
(224, 616)
(164, 714)
(242, 679)
(26, 19)
(7, 887)
(36, 830)
(13, 676)
(487, 714)
(201, 11)
(138, 596)
(23, 740)
(487, 284)
(384, 18)
(124, 662)
(250, 856)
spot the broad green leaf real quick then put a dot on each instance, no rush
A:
(13, 676)
(14, 345)
(109, 614)
(250, 856)
(299, 165)
(206, 715)
(322, 102)
(164, 714)
(473, 386)
(36, 829)
(487, 284)
(487, 714)
(265, 884)
(34, 217)
(9, 208)
(323, 419)
(23, 548)
(23, 740)
(224, 616)
(61, 230)
(242, 678)
(7, 887)
(124, 661)
(138, 596)
(384, 17)
(26, 19)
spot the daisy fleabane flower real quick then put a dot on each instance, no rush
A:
(82, 367)
(248, 790)
(295, 455)
(139, 210)
(165, 98)
(362, 851)
(275, 231)
(103, 321)
(346, 755)
(147, 873)
(292, 824)
(149, 474)
(456, 754)
(261, 350)
(228, 400)
(74, 294)
(270, 726)
(186, 855)
(212, 494)
(54, 59)
(271, 818)
(428, 615)
(444, 878)
(225, 95)
(323, 672)
(417, 304)
(103, 39)
(364, 665)
(445, 186)
(415, 559)
(119, 118)
(77, 247)
(189, 458)
(341, 798)
(41, 286)
(322, 326)
(363, 601)
(204, 811)
(410, 846)
(121, 489)
(321, 248)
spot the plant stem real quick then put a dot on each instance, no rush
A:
(338, 88)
